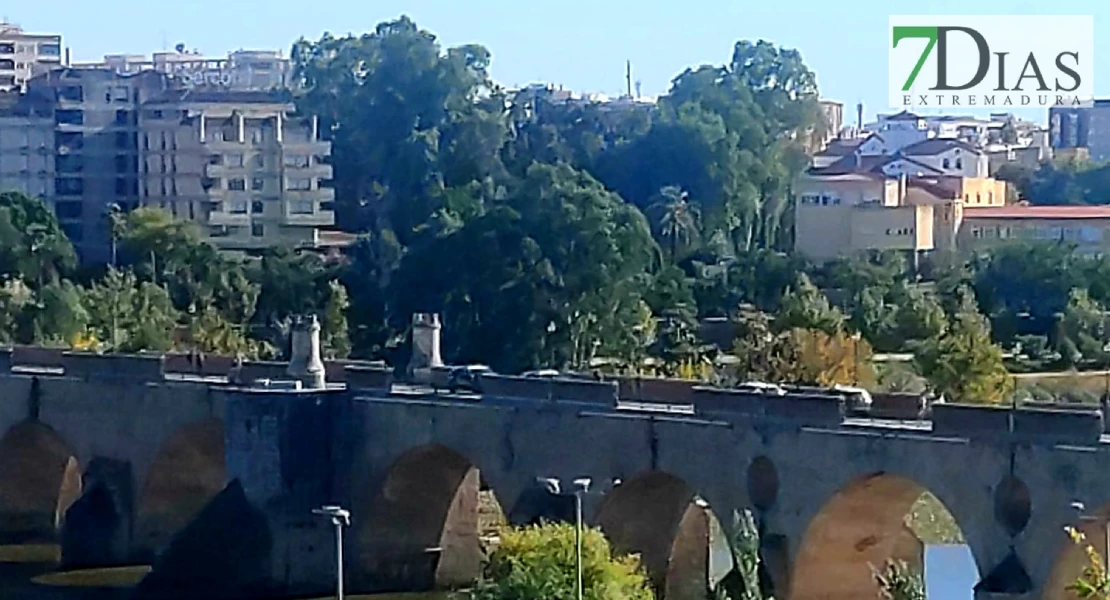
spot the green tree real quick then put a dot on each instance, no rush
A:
(539, 562)
(552, 276)
(129, 316)
(676, 220)
(32, 244)
(335, 342)
(405, 117)
(1081, 330)
(15, 297)
(743, 581)
(806, 307)
(964, 364)
(211, 333)
(58, 315)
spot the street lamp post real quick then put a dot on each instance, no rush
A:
(1080, 508)
(581, 486)
(340, 518)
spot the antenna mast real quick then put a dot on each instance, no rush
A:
(628, 76)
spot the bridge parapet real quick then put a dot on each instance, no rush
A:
(37, 357)
(551, 388)
(655, 389)
(116, 367)
(5, 360)
(372, 377)
(1059, 425)
(807, 408)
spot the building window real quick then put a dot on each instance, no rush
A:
(256, 136)
(297, 160)
(237, 185)
(976, 232)
(947, 164)
(258, 161)
(258, 230)
(257, 184)
(959, 163)
(50, 49)
(69, 117)
(235, 160)
(301, 207)
(256, 207)
(238, 207)
(990, 197)
(301, 184)
(68, 210)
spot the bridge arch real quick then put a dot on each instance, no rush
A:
(188, 471)
(40, 478)
(660, 517)
(422, 527)
(861, 526)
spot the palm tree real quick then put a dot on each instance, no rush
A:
(677, 219)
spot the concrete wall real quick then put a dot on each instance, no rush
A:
(830, 495)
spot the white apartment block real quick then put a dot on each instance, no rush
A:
(239, 71)
(22, 55)
(240, 164)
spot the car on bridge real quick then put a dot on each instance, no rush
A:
(467, 378)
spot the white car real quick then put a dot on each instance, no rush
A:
(761, 387)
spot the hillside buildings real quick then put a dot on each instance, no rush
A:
(241, 70)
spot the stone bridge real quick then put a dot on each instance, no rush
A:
(150, 458)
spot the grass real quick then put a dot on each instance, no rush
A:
(115, 577)
(30, 553)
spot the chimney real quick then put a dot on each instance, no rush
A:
(859, 117)
(305, 364)
(425, 343)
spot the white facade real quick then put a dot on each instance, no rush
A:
(23, 54)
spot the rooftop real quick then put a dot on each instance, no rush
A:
(1037, 212)
(934, 146)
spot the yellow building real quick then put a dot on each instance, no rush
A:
(856, 205)
(1088, 227)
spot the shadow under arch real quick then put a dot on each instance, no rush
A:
(423, 526)
(659, 517)
(188, 471)
(39, 479)
(861, 526)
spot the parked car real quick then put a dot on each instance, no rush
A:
(467, 378)
(542, 373)
(858, 398)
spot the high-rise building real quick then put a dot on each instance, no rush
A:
(95, 148)
(240, 164)
(27, 144)
(23, 54)
(1072, 127)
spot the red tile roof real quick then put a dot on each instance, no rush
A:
(1037, 212)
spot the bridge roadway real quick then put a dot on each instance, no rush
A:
(121, 460)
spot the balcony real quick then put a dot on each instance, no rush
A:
(322, 218)
(315, 147)
(230, 219)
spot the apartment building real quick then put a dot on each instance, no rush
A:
(27, 144)
(23, 54)
(1072, 127)
(241, 70)
(243, 165)
(95, 148)
(876, 196)
(1088, 227)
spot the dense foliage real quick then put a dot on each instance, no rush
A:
(563, 234)
(540, 561)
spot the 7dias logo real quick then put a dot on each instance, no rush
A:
(989, 61)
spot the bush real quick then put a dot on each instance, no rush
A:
(538, 563)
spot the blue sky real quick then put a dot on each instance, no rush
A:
(581, 45)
